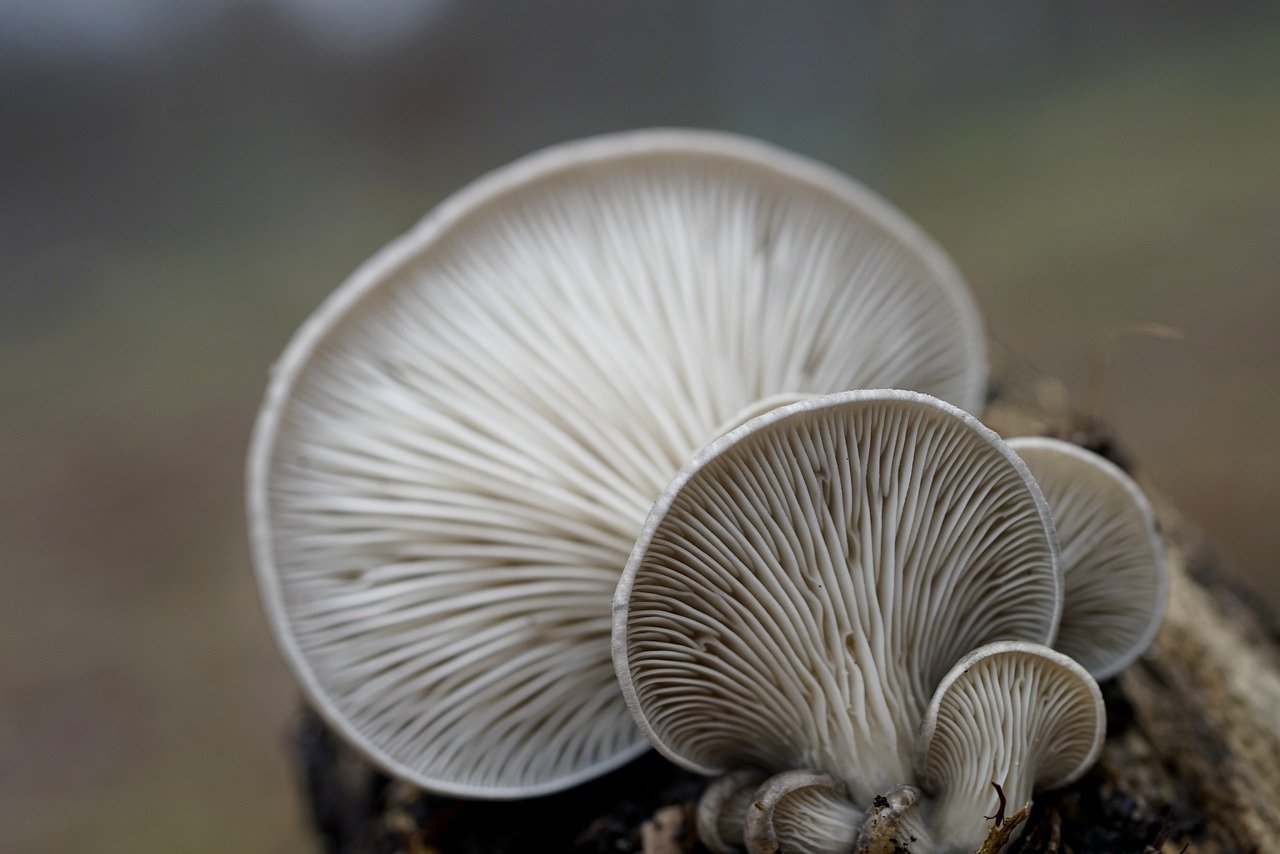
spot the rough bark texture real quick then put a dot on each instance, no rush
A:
(1192, 760)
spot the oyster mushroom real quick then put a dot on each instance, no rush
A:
(803, 585)
(1018, 715)
(1113, 565)
(457, 450)
(801, 811)
(722, 810)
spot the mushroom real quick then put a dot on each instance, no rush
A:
(457, 450)
(722, 810)
(801, 811)
(1016, 715)
(804, 583)
(1114, 575)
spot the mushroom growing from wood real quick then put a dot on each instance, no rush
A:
(1113, 563)
(1008, 719)
(805, 583)
(457, 450)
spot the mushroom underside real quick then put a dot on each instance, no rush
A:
(457, 451)
(802, 587)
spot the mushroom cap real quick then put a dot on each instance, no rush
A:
(801, 811)
(1017, 714)
(1113, 563)
(802, 585)
(722, 810)
(457, 450)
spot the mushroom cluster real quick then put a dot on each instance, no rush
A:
(857, 609)
(848, 606)
(457, 451)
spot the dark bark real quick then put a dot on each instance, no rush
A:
(358, 809)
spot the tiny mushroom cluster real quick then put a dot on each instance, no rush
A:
(857, 609)
(848, 607)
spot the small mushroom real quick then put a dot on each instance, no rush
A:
(1113, 564)
(457, 450)
(1017, 715)
(722, 810)
(804, 583)
(801, 811)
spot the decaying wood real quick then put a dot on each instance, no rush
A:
(1192, 760)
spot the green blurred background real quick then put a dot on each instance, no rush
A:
(180, 184)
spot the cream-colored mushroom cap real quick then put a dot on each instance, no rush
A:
(1017, 714)
(801, 811)
(806, 580)
(722, 810)
(457, 451)
(1113, 563)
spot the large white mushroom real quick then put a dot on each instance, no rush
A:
(805, 583)
(457, 450)
(1112, 558)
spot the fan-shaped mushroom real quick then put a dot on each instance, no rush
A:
(722, 810)
(801, 811)
(457, 450)
(1019, 715)
(804, 583)
(1113, 564)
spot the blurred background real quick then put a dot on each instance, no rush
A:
(181, 183)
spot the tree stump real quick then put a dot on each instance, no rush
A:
(1191, 763)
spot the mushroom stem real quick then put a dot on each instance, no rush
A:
(879, 831)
